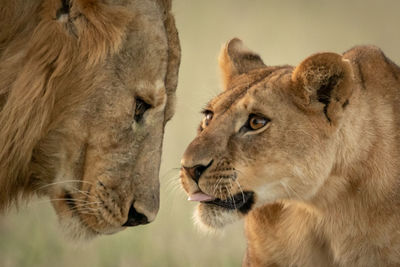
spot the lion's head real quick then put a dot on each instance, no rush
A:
(86, 88)
(271, 134)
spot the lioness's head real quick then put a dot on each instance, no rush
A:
(84, 112)
(269, 135)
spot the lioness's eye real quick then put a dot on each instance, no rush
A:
(255, 122)
(140, 109)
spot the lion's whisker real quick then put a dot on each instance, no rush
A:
(55, 199)
(294, 192)
(76, 190)
(61, 182)
(284, 186)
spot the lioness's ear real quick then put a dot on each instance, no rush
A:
(323, 82)
(235, 59)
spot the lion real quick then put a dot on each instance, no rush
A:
(309, 156)
(86, 88)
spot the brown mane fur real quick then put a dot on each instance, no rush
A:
(34, 64)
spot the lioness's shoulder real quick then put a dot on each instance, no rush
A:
(363, 50)
(371, 63)
(368, 54)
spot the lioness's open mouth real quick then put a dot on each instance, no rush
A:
(240, 201)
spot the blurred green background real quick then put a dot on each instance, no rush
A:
(283, 32)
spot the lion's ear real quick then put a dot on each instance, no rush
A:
(235, 58)
(323, 82)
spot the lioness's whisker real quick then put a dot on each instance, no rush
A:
(174, 180)
(231, 193)
(217, 184)
(173, 185)
(172, 170)
(220, 190)
(240, 188)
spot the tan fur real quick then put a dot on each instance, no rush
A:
(68, 83)
(324, 170)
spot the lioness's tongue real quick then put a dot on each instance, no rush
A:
(200, 196)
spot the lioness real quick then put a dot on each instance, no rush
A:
(86, 88)
(309, 155)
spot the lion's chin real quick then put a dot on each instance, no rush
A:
(73, 223)
(75, 230)
(211, 218)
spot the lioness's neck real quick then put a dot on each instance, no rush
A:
(364, 179)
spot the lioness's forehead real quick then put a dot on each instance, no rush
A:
(249, 83)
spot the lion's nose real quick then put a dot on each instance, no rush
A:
(135, 218)
(195, 172)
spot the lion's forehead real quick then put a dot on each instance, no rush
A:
(142, 59)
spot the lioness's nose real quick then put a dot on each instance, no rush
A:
(195, 172)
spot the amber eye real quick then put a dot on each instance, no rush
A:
(256, 122)
(208, 115)
(140, 109)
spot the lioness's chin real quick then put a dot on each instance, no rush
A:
(210, 217)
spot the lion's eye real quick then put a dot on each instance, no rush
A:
(208, 115)
(256, 122)
(140, 109)
(208, 118)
